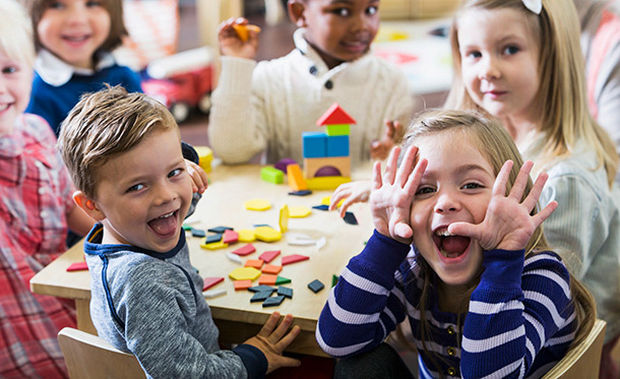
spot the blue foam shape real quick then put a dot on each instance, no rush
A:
(314, 144)
(338, 146)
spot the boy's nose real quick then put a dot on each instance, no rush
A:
(164, 194)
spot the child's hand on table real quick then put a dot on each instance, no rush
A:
(352, 192)
(231, 41)
(508, 224)
(272, 341)
(198, 175)
(380, 149)
(393, 192)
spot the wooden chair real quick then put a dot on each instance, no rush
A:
(90, 357)
(583, 360)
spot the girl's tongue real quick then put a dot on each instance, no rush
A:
(453, 246)
(164, 225)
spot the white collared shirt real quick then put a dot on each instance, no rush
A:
(56, 72)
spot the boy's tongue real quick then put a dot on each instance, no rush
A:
(164, 225)
(454, 246)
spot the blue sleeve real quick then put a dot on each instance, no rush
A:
(362, 309)
(253, 359)
(514, 311)
(43, 103)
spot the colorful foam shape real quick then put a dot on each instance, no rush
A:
(234, 257)
(244, 273)
(257, 205)
(214, 238)
(338, 129)
(219, 229)
(214, 293)
(260, 296)
(256, 263)
(314, 144)
(272, 175)
(242, 284)
(295, 178)
(198, 232)
(211, 281)
(205, 157)
(316, 285)
(299, 211)
(282, 280)
(269, 256)
(323, 183)
(337, 146)
(230, 236)
(214, 245)
(283, 221)
(288, 259)
(335, 115)
(271, 269)
(243, 30)
(321, 207)
(300, 193)
(335, 279)
(246, 235)
(268, 279)
(245, 250)
(261, 288)
(77, 266)
(273, 301)
(286, 292)
(267, 234)
(282, 163)
(349, 218)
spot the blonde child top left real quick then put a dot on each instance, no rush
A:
(74, 40)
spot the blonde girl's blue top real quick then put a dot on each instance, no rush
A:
(58, 86)
(520, 321)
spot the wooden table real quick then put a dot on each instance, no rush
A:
(223, 204)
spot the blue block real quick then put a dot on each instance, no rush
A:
(338, 146)
(314, 144)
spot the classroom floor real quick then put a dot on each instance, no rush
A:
(275, 41)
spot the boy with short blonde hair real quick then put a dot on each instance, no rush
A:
(124, 153)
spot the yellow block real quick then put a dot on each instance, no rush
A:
(257, 205)
(244, 273)
(205, 156)
(283, 221)
(328, 200)
(214, 245)
(326, 182)
(267, 234)
(246, 235)
(299, 212)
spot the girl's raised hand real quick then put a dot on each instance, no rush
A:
(351, 193)
(231, 43)
(508, 224)
(393, 192)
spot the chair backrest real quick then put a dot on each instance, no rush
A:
(89, 356)
(583, 360)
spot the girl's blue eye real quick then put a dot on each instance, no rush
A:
(56, 5)
(473, 54)
(511, 50)
(472, 186)
(93, 3)
(175, 172)
(135, 188)
(372, 10)
(9, 70)
(424, 190)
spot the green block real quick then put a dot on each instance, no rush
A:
(187, 227)
(282, 280)
(337, 130)
(272, 175)
(335, 280)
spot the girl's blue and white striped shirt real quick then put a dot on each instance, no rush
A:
(521, 319)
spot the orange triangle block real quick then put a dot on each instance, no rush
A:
(335, 115)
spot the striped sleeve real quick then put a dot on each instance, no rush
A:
(363, 308)
(518, 309)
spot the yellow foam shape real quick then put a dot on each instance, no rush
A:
(246, 235)
(283, 221)
(299, 212)
(267, 234)
(326, 182)
(205, 156)
(328, 200)
(244, 273)
(257, 205)
(214, 245)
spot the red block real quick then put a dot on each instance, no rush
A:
(245, 250)
(211, 281)
(230, 236)
(269, 256)
(77, 266)
(293, 258)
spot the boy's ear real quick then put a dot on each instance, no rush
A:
(88, 205)
(296, 10)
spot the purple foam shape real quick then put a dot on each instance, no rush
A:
(328, 171)
(282, 163)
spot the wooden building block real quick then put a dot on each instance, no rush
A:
(314, 144)
(338, 146)
(327, 182)
(295, 177)
(312, 165)
(335, 115)
(338, 129)
(272, 175)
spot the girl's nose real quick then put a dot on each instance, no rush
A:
(447, 203)
(78, 12)
(489, 69)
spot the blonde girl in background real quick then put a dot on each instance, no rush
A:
(521, 62)
(458, 250)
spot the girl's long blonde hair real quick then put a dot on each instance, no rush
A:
(496, 145)
(561, 98)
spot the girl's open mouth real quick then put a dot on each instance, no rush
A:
(450, 246)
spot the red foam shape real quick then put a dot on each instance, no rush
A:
(77, 266)
(269, 256)
(211, 281)
(245, 250)
(230, 236)
(335, 116)
(293, 258)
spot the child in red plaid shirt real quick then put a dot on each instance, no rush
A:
(36, 207)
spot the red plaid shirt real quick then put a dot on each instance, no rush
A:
(35, 197)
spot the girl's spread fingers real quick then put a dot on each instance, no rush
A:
(546, 212)
(390, 170)
(518, 188)
(532, 198)
(376, 176)
(414, 180)
(499, 188)
(406, 165)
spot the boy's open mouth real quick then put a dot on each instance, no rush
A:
(165, 224)
(450, 246)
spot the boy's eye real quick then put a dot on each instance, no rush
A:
(56, 5)
(175, 172)
(9, 70)
(510, 50)
(424, 191)
(343, 12)
(93, 3)
(135, 188)
(373, 10)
